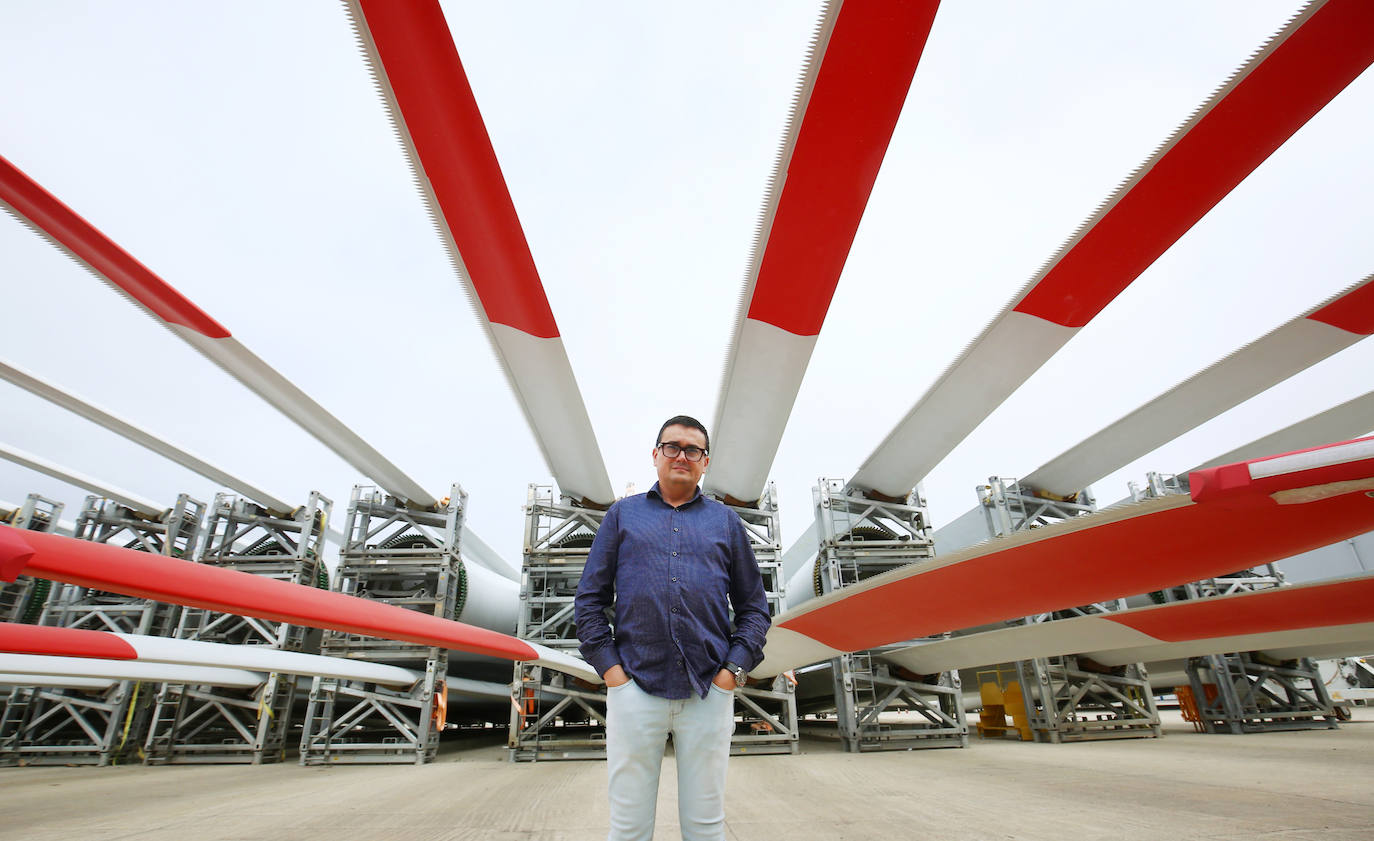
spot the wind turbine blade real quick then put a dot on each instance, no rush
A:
(29, 381)
(45, 214)
(90, 684)
(1351, 419)
(1307, 616)
(1236, 516)
(1292, 77)
(849, 99)
(73, 642)
(144, 575)
(141, 504)
(1322, 331)
(41, 668)
(417, 66)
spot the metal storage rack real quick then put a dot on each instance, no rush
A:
(200, 723)
(410, 558)
(1070, 698)
(879, 706)
(44, 725)
(554, 715)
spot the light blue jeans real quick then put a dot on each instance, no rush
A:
(637, 728)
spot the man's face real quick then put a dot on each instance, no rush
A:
(679, 473)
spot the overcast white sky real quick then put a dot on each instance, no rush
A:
(240, 151)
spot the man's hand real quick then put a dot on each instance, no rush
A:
(615, 676)
(725, 680)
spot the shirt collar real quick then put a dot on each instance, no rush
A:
(696, 495)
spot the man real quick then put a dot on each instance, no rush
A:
(671, 563)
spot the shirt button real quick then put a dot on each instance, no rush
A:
(674, 580)
(674, 554)
(674, 610)
(677, 530)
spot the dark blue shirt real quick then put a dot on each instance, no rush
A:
(671, 575)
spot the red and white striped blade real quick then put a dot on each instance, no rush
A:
(1326, 329)
(141, 504)
(31, 382)
(417, 65)
(45, 214)
(850, 98)
(1313, 58)
(77, 643)
(103, 567)
(1317, 617)
(1237, 516)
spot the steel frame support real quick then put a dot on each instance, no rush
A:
(175, 534)
(553, 715)
(1008, 508)
(219, 724)
(44, 726)
(766, 717)
(1246, 693)
(409, 558)
(37, 513)
(1070, 698)
(766, 710)
(1157, 485)
(351, 722)
(23, 599)
(877, 706)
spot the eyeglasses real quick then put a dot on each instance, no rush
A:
(673, 451)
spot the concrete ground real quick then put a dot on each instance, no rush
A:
(1295, 785)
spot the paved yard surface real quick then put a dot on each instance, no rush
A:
(1275, 786)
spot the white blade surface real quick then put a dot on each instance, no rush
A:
(81, 480)
(92, 667)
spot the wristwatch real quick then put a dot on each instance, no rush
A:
(738, 671)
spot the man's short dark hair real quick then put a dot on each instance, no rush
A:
(687, 421)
